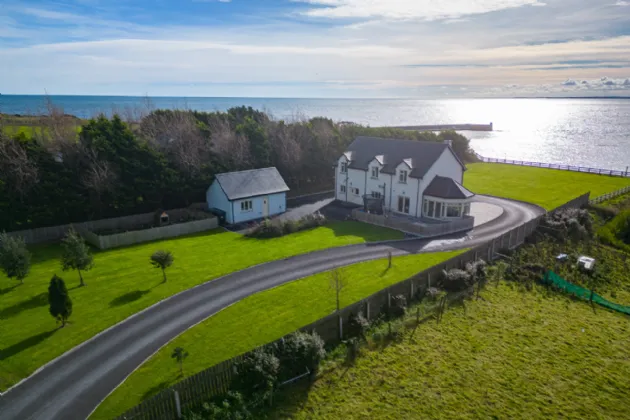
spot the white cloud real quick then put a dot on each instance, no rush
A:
(409, 9)
(622, 3)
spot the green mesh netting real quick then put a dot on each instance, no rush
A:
(555, 280)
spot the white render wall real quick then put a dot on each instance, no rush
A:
(447, 166)
(410, 189)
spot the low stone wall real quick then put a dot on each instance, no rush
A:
(147, 235)
(427, 231)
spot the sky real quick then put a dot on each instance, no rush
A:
(316, 48)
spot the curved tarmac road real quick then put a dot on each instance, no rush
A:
(73, 385)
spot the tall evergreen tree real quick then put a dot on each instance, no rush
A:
(15, 260)
(76, 254)
(59, 300)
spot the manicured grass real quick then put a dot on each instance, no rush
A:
(123, 283)
(512, 355)
(260, 319)
(549, 188)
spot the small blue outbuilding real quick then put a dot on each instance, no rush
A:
(248, 195)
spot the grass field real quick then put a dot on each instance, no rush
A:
(512, 355)
(257, 320)
(549, 188)
(123, 283)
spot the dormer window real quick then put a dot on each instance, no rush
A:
(402, 178)
(375, 173)
(344, 167)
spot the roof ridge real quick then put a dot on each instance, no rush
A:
(246, 170)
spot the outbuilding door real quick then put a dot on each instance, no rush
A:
(266, 206)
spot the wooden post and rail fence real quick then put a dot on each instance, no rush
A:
(572, 168)
(216, 380)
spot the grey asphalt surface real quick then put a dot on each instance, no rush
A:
(74, 384)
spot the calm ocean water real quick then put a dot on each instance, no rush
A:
(588, 132)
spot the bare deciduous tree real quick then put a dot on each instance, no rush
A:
(337, 283)
(100, 177)
(16, 168)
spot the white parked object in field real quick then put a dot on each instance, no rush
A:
(586, 263)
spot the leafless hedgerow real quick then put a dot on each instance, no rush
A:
(16, 168)
(229, 145)
(99, 177)
(177, 133)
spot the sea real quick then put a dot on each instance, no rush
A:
(585, 132)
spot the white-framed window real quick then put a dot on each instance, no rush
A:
(467, 209)
(375, 173)
(342, 189)
(453, 210)
(344, 167)
(403, 204)
(354, 191)
(402, 178)
(376, 194)
(247, 205)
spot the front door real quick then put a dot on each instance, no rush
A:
(265, 206)
(403, 204)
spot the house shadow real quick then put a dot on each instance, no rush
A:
(32, 303)
(5, 353)
(128, 298)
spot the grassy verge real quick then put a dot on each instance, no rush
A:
(123, 283)
(257, 320)
(513, 354)
(549, 188)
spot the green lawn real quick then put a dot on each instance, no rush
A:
(548, 188)
(123, 283)
(512, 355)
(257, 320)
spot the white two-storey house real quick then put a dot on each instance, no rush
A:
(415, 178)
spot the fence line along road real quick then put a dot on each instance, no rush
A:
(583, 169)
(216, 380)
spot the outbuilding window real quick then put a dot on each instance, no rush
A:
(403, 177)
(246, 205)
(375, 172)
(342, 189)
(344, 167)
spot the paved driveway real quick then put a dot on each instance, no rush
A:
(74, 384)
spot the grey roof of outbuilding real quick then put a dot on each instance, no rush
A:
(423, 154)
(443, 187)
(251, 183)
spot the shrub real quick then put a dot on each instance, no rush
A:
(617, 232)
(276, 228)
(352, 350)
(576, 224)
(433, 293)
(15, 260)
(257, 374)
(357, 325)
(231, 406)
(398, 306)
(605, 212)
(456, 280)
(297, 352)
(477, 270)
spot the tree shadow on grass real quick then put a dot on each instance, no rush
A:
(32, 303)
(5, 353)
(155, 389)
(7, 290)
(128, 298)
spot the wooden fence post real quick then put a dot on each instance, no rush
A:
(411, 288)
(367, 310)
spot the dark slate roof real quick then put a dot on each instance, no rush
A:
(422, 154)
(237, 185)
(442, 187)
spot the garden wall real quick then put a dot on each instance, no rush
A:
(147, 235)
